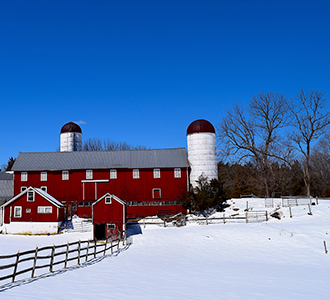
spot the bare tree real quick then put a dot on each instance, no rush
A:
(310, 120)
(94, 144)
(254, 135)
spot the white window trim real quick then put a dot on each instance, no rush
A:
(107, 202)
(177, 172)
(153, 193)
(111, 226)
(65, 175)
(19, 210)
(43, 176)
(136, 173)
(89, 174)
(24, 176)
(113, 174)
(45, 209)
(156, 173)
(27, 196)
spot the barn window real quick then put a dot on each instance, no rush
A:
(43, 176)
(177, 173)
(136, 173)
(156, 193)
(111, 226)
(156, 173)
(30, 196)
(28, 210)
(107, 200)
(80, 204)
(17, 211)
(89, 174)
(44, 188)
(24, 176)
(65, 175)
(23, 188)
(45, 209)
(113, 174)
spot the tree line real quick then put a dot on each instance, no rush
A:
(276, 145)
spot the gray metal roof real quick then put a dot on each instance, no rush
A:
(6, 176)
(52, 161)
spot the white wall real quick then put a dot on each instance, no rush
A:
(202, 156)
(31, 227)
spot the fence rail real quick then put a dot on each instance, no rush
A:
(248, 217)
(57, 255)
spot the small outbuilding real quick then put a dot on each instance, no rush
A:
(33, 211)
(109, 216)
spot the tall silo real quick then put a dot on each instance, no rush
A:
(71, 137)
(202, 155)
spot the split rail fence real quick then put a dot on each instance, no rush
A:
(247, 217)
(54, 257)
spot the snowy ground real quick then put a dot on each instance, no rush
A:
(278, 259)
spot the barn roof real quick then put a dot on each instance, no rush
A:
(42, 193)
(122, 202)
(6, 176)
(52, 161)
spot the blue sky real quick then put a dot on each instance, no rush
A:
(142, 71)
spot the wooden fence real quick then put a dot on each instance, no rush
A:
(56, 256)
(247, 217)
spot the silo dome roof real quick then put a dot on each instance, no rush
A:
(200, 126)
(71, 127)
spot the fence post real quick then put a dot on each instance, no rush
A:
(87, 250)
(207, 221)
(94, 248)
(224, 219)
(15, 268)
(246, 217)
(325, 247)
(317, 200)
(105, 246)
(66, 256)
(111, 243)
(34, 262)
(309, 208)
(266, 215)
(290, 211)
(52, 259)
(79, 252)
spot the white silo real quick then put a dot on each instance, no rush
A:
(71, 138)
(202, 155)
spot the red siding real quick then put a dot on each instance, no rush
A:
(33, 216)
(125, 187)
(108, 213)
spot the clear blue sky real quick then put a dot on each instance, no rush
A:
(142, 71)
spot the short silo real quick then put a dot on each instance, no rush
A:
(71, 138)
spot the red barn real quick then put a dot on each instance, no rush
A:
(109, 216)
(149, 180)
(33, 211)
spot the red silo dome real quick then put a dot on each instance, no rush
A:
(200, 126)
(71, 127)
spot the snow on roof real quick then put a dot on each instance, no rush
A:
(49, 197)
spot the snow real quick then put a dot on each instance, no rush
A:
(278, 259)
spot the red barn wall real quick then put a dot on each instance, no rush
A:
(125, 187)
(109, 213)
(33, 216)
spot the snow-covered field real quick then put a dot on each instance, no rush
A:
(278, 259)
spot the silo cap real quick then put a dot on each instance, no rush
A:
(71, 127)
(200, 125)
